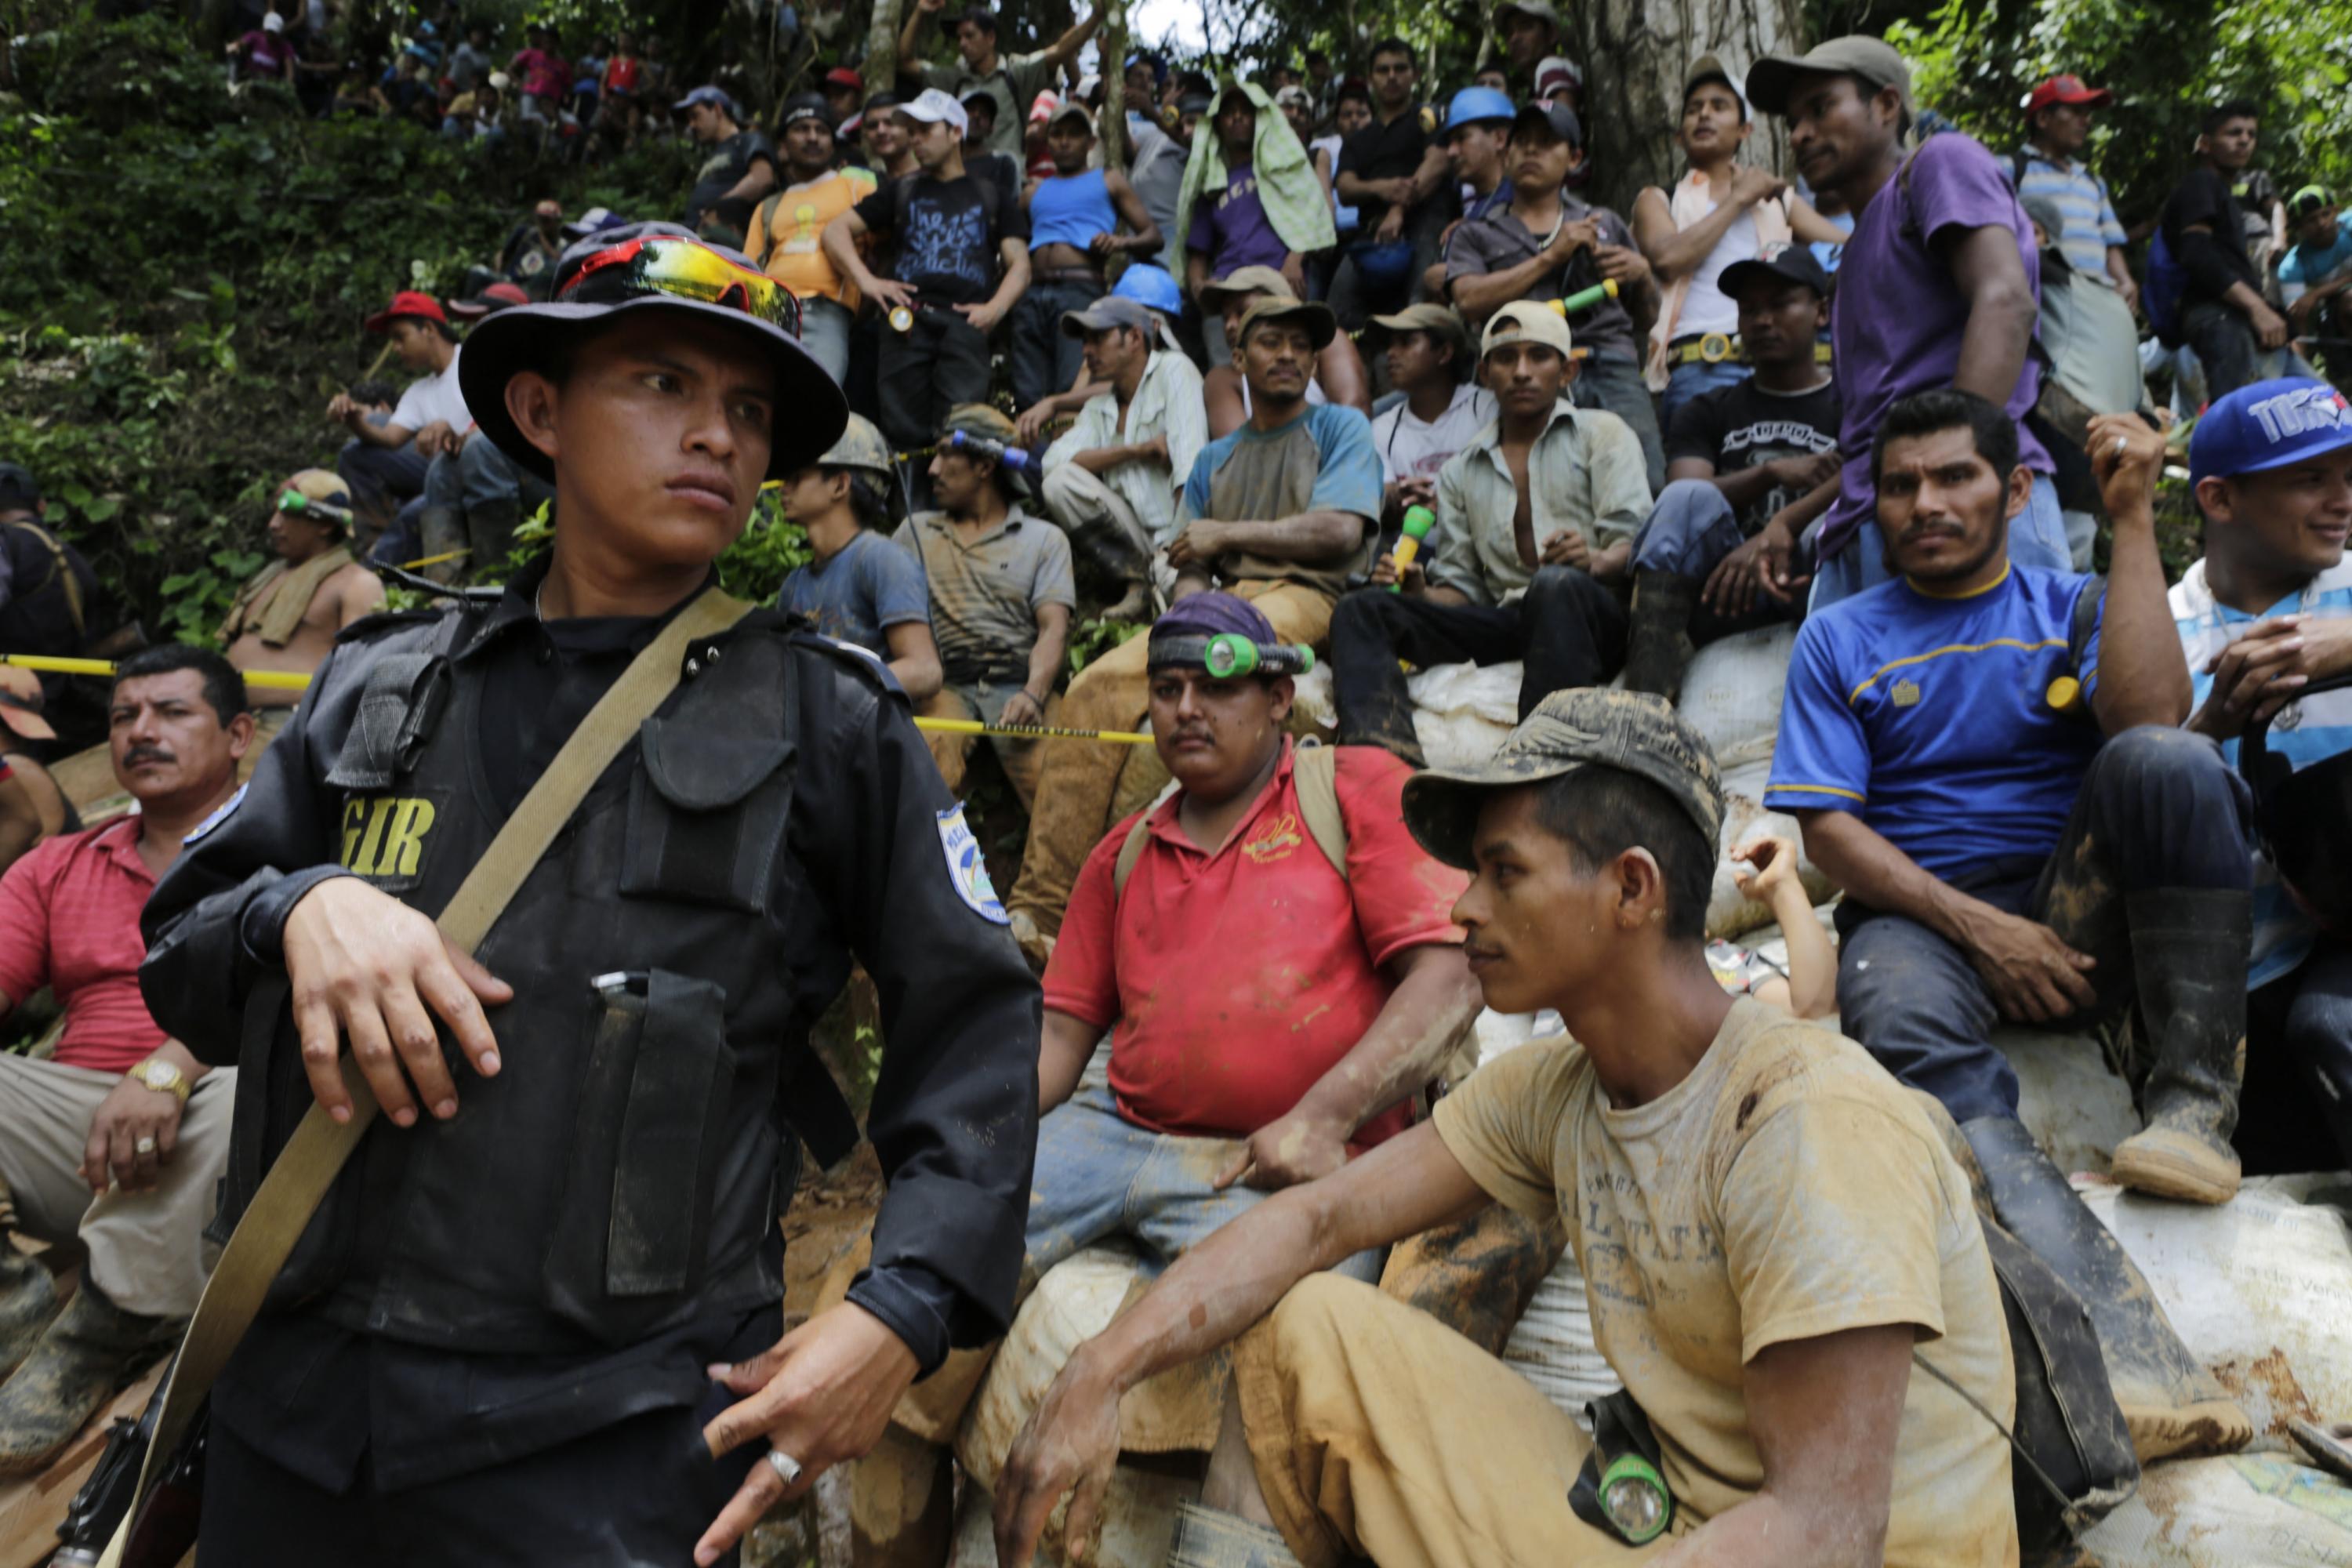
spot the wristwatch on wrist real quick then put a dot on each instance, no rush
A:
(160, 1076)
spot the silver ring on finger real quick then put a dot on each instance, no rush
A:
(787, 1469)
(145, 1145)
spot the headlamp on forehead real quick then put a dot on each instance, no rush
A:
(294, 503)
(1229, 655)
(1016, 458)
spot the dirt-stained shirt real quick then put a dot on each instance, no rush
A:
(1786, 1189)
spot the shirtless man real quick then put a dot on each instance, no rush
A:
(287, 617)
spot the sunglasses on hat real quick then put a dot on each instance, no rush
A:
(685, 268)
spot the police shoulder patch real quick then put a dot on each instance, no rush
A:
(967, 869)
(221, 813)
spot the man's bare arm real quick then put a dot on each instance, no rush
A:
(1825, 1413)
(914, 658)
(1433, 1002)
(1064, 1048)
(757, 182)
(2143, 673)
(1213, 1293)
(1987, 269)
(1314, 536)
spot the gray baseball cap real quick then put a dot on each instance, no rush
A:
(1592, 726)
(1874, 60)
(1109, 312)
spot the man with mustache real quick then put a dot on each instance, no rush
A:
(118, 1138)
(1987, 757)
(537, 1318)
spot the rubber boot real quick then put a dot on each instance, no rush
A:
(28, 1295)
(1657, 645)
(2188, 962)
(491, 530)
(2171, 1403)
(88, 1353)
(1207, 1537)
(440, 531)
(1108, 549)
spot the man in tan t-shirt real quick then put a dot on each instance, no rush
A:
(1768, 1226)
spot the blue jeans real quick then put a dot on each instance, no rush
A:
(1616, 385)
(825, 332)
(1686, 381)
(2037, 537)
(1688, 533)
(1045, 360)
(1100, 1175)
(381, 478)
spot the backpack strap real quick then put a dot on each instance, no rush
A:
(1316, 771)
(1130, 853)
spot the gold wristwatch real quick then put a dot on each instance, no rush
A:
(160, 1076)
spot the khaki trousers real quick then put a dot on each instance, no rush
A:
(1378, 1432)
(1081, 501)
(1086, 787)
(147, 1250)
(1021, 759)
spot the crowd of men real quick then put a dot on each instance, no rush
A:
(1319, 373)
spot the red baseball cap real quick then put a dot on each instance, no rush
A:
(2067, 90)
(842, 76)
(407, 302)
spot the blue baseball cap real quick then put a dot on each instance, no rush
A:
(1479, 106)
(1155, 286)
(705, 95)
(2268, 426)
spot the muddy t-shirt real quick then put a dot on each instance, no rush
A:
(1786, 1189)
(1323, 460)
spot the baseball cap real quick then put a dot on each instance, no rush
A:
(273, 22)
(325, 487)
(408, 302)
(1541, 10)
(2065, 89)
(1557, 119)
(1476, 106)
(1193, 103)
(595, 220)
(861, 446)
(806, 106)
(1073, 111)
(1110, 310)
(2045, 211)
(842, 76)
(1556, 71)
(524, 337)
(2307, 201)
(20, 704)
(1874, 60)
(19, 491)
(1244, 280)
(1426, 317)
(1321, 325)
(2268, 426)
(932, 107)
(497, 297)
(1789, 262)
(704, 95)
(1293, 95)
(1708, 67)
(1530, 321)
(1588, 726)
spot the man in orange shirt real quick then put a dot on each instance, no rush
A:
(786, 234)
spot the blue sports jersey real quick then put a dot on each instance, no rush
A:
(1930, 718)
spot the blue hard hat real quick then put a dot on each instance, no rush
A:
(1152, 287)
(1474, 105)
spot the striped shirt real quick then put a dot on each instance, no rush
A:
(69, 921)
(2304, 732)
(986, 592)
(2082, 197)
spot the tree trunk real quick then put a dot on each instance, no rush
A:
(1112, 52)
(1636, 52)
(882, 47)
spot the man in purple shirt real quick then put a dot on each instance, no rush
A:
(1940, 285)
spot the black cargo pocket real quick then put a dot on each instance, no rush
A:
(706, 810)
(631, 1240)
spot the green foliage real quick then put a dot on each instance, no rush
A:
(770, 545)
(2166, 61)
(1090, 640)
(188, 269)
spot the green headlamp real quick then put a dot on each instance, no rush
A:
(1634, 1497)
(295, 503)
(1229, 654)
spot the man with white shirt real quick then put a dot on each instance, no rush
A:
(384, 462)
(1428, 352)
(1112, 478)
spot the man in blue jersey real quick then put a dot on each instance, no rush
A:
(2264, 616)
(1986, 756)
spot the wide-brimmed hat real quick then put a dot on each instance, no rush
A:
(527, 337)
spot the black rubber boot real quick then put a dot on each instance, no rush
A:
(1657, 645)
(89, 1351)
(490, 531)
(2188, 962)
(2171, 1403)
(1206, 1538)
(440, 531)
(28, 1298)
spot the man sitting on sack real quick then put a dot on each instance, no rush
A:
(287, 615)
(1271, 956)
(1774, 1236)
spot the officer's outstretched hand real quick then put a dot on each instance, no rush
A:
(822, 1394)
(366, 967)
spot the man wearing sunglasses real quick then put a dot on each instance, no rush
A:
(536, 1319)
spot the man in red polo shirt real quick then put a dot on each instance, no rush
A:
(120, 1137)
(1269, 1015)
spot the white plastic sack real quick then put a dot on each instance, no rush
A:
(1552, 1345)
(1731, 693)
(2245, 1510)
(2259, 1288)
(1462, 711)
(2075, 1108)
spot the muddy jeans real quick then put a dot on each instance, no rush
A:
(1378, 1432)
(2158, 809)
(1086, 787)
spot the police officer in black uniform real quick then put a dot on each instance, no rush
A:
(536, 1319)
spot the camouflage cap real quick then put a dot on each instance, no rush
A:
(1632, 731)
(861, 446)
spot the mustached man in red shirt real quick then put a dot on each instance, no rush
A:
(120, 1137)
(1268, 1014)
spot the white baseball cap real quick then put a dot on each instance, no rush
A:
(273, 22)
(932, 107)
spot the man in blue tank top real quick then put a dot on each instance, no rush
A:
(1073, 222)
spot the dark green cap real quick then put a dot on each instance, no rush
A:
(1632, 731)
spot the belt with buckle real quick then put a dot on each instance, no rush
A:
(1707, 348)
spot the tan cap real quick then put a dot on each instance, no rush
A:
(1244, 280)
(1425, 316)
(20, 704)
(1526, 321)
(1874, 60)
(321, 484)
(1321, 325)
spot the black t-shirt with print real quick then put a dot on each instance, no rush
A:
(954, 230)
(1745, 427)
(721, 172)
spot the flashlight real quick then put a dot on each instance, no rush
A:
(1230, 654)
(296, 501)
(1634, 1497)
(1417, 522)
(1585, 299)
